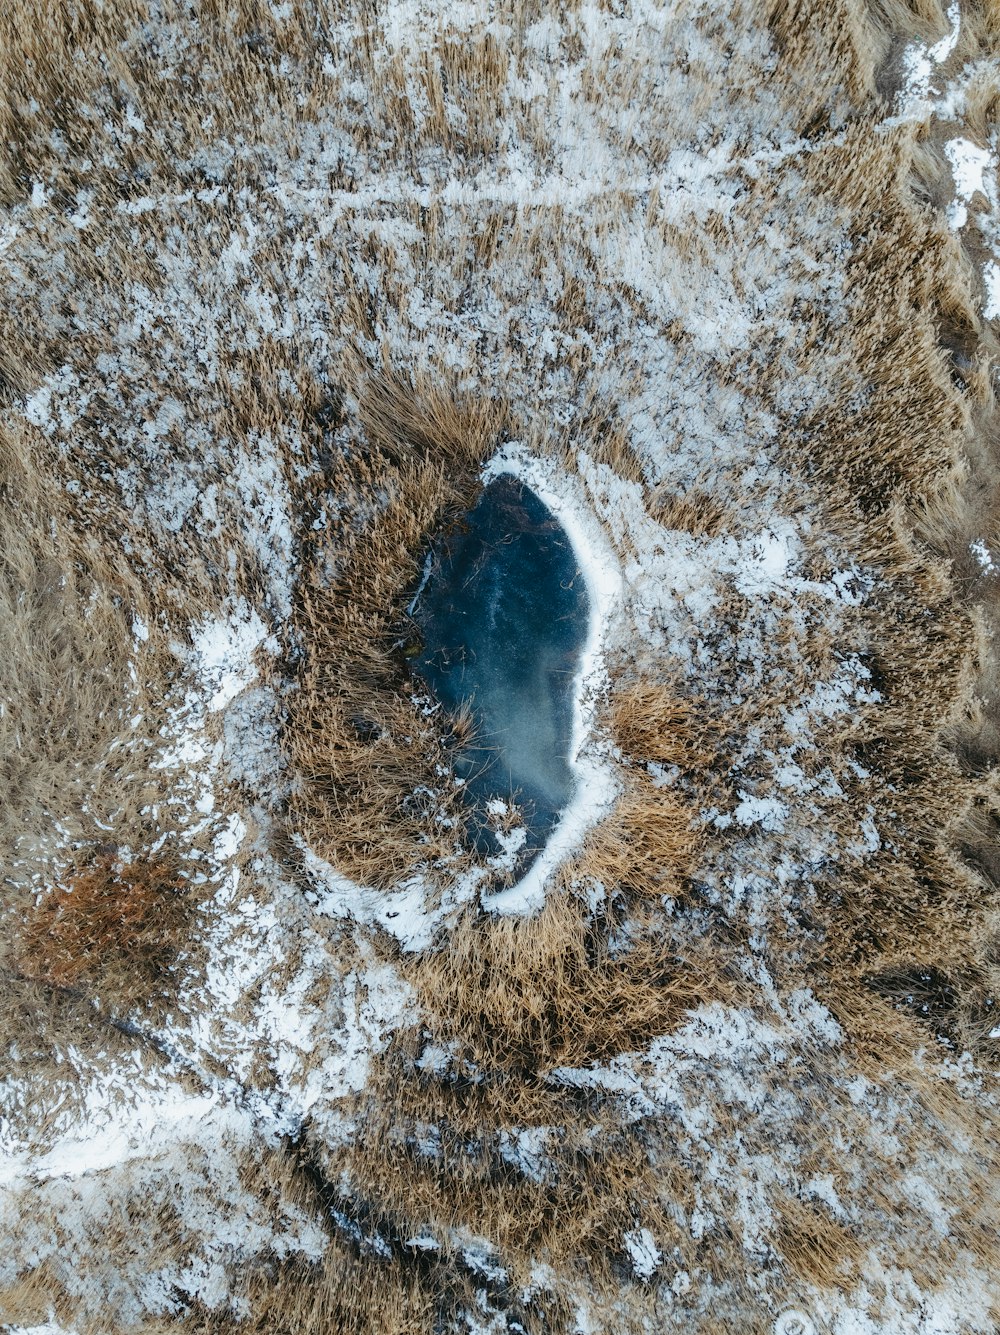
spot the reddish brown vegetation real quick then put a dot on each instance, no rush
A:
(107, 917)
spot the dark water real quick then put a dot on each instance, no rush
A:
(503, 617)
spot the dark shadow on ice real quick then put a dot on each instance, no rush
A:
(503, 615)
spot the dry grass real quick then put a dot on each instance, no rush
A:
(110, 921)
(64, 643)
(434, 1155)
(696, 511)
(162, 1224)
(339, 1293)
(817, 1247)
(360, 742)
(29, 1300)
(512, 999)
(530, 994)
(647, 846)
(651, 721)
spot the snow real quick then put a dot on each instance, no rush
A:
(983, 556)
(50, 1327)
(794, 1322)
(919, 63)
(425, 575)
(969, 164)
(526, 1149)
(267, 526)
(225, 647)
(146, 1129)
(768, 812)
(991, 278)
(890, 1299)
(643, 1252)
(404, 912)
(975, 168)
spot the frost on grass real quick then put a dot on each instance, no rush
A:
(653, 241)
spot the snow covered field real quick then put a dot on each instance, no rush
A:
(283, 1053)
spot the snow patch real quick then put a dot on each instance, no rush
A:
(983, 555)
(643, 1252)
(225, 646)
(991, 280)
(969, 165)
(919, 63)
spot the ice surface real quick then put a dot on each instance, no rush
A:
(504, 618)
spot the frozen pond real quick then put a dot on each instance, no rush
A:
(503, 615)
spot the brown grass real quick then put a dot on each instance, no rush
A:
(696, 511)
(65, 605)
(512, 999)
(110, 918)
(30, 1299)
(649, 843)
(529, 994)
(356, 737)
(597, 1179)
(818, 1248)
(653, 721)
(339, 1293)
(647, 846)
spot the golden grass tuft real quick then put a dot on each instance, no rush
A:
(646, 846)
(527, 994)
(32, 1298)
(698, 511)
(344, 1292)
(420, 416)
(652, 721)
(819, 1250)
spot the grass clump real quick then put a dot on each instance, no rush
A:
(528, 994)
(110, 920)
(372, 755)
